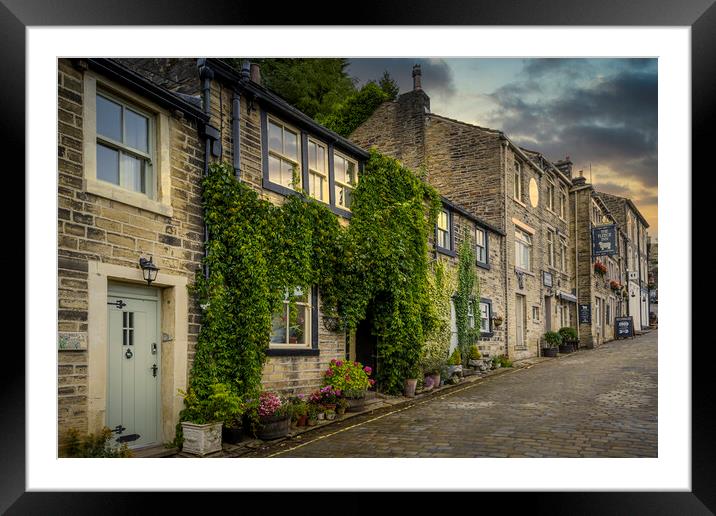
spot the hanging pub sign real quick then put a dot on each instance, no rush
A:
(624, 327)
(604, 240)
(585, 314)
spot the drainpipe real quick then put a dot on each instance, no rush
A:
(576, 256)
(505, 256)
(236, 132)
(206, 74)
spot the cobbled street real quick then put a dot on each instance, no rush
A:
(593, 403)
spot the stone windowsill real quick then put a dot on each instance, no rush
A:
(138, 200)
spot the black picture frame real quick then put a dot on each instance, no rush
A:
(17, 15)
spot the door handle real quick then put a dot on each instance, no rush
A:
(154, 370)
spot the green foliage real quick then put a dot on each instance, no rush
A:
(435, 350)
(313, 85)
(221, 405)
(351, 378)
(568, 334)
(468, 291)
(354, 110)
(389, 86)
(552, 339)
(475, 352)
(385, 265)
(455, 358)
(93, 445)
(503, 361)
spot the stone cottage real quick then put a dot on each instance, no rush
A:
(484, 172)
(634, 225)
(130, 160)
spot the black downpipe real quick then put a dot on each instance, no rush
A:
(206, 74)
(236, 133)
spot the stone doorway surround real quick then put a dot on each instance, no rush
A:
(174, 304)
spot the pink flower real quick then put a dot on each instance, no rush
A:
(333, 361)
(367, 369)
(372, 382)
(339, 363)
(329, 372)
(357, 364)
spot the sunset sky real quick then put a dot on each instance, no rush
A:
(600, 112)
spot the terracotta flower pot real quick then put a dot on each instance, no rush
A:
(436, 380)
(410, 385)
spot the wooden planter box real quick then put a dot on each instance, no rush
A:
(201, 439)
(273, 427)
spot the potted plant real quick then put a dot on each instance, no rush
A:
(569, 339)
(474, 356)
(203, 419)
(454, 364)
(313, 410)
(428, 383)
(550, 342)
(411, 382)
(330, 414)
(274, 416)
(299, 410)
(497, 321)
(341, 406)
(351, 379)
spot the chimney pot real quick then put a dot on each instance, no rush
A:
(255, 73)
(245, 70)
(417, 76)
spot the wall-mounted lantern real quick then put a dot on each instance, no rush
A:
(149, 270)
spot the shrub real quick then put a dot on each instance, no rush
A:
(568, 334)
(455, 358)
(350, 378)
(221, 405)
(504, 361)
(94, 445)
(552, 339)
(475, 353)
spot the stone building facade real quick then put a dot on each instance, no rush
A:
(130, 160)
(634, 225)
(247, 119)
(601, 295)
(483, 171)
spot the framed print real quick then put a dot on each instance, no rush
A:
(110, 142)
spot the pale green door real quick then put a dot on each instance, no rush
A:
(134, 375)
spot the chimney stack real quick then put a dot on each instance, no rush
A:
(255, 73)
(417, 75)
(581, 180)
(245, 70)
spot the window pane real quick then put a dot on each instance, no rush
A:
(480, 237)
(290, 144)
(297, 324)
(107, 164)
(274, 170)
(320, 159)
(287, 175)
(339, 169)
(278, 325)
(351, 176)
(275, 137)
(312, 157)
(109, 118)
(136, 130)
(132, 176)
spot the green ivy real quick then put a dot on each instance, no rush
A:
(257, 251)
(441, 283)
(468, 291)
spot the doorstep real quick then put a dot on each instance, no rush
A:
(154, 452)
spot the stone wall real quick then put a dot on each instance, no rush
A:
(96, 228)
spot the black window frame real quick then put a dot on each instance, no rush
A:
(331, 147)
(313, 351)
(486, 263)
(451, 227)
(490, 332)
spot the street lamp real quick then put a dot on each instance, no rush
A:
(149, 270)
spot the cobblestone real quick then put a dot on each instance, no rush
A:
(594, 403)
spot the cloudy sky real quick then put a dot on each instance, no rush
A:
(600, 112)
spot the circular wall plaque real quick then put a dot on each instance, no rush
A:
(534, 192)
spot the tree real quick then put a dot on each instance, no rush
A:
(389, 86)
(355, 110)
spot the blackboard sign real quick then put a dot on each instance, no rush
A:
(624, 327)
(585, 314)
(604, 240)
